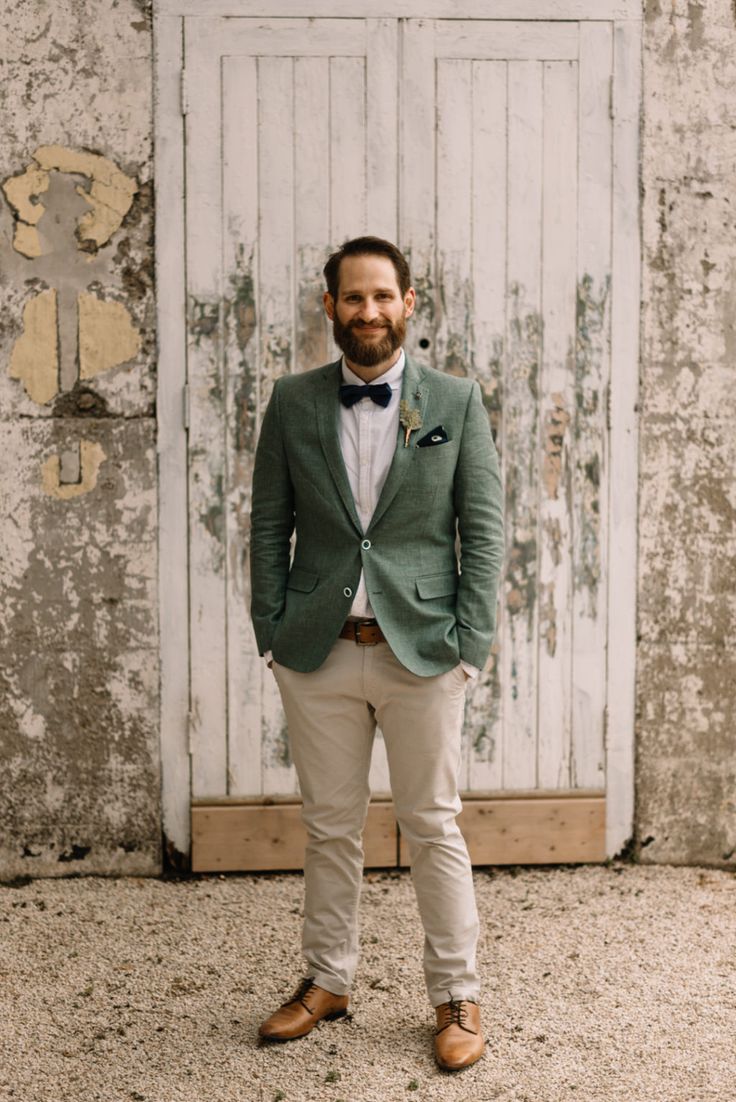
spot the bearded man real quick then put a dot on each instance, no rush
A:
(379, 465)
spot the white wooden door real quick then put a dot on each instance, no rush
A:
(489, 153)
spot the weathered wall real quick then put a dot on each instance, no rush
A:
(686, 683)
(79, 758)
(79, 766)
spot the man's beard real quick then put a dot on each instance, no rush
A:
(368, 353)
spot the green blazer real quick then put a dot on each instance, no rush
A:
(432, 614)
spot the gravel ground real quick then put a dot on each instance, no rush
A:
(601, 983)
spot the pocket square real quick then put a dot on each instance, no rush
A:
(435, 436)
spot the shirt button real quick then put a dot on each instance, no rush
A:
(366, 545)
(348, 591)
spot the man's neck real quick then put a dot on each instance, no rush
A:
(370, 374)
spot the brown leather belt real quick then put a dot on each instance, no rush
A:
(366, 633)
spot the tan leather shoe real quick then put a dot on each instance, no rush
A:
(458, 1040)
(307, 1006)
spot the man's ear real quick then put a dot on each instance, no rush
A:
(410, 301)
(329, 304)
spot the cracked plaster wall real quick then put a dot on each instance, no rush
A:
(79, 784)
(686, 678)
(79, 753)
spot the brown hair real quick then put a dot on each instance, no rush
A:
(367, 246)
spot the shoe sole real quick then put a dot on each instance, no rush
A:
(279, 1039)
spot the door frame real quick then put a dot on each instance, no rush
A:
(172, 400)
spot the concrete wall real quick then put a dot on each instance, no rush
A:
(79, 756)
(686, 683)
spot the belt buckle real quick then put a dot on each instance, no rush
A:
(358, 641)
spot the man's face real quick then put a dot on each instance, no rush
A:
(369, 316)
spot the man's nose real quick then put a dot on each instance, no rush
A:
(369, 311)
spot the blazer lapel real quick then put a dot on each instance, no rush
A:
(414, 382)
(327, 403)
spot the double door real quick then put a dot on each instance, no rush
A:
(501, 156)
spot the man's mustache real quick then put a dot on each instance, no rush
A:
(366, 325)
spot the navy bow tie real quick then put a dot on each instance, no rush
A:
(380, 393)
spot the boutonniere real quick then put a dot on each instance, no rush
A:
(410, 419)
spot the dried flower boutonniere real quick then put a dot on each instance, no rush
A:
(410, 420)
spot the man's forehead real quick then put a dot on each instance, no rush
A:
(357, 272)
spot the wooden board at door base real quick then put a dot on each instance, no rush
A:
(559, 828)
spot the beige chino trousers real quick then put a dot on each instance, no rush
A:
(331, 715)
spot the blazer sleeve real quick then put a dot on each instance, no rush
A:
(478, 497)
(272, 523)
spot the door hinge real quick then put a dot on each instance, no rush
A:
(190, 733)
(184, 98)
(610, 97)
(185, 405)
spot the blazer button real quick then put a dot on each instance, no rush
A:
(348, 591)
(366, 545)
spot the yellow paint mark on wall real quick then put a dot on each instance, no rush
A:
(107, 336)
(27, 240)
(110, 195)
(19, 189)
(91, 458)
(35, 355)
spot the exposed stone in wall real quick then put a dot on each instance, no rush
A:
(79, 727)
(686, 681)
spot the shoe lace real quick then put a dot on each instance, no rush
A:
(456, 1013)
(298, 997)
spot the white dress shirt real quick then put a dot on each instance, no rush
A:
(368, 433)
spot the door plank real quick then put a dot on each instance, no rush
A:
(454, 229)
(407, 9)
(171, 441)
(240, 260)
(542, 831)
(521, 424)
(347, 148)
(248, 837)
(557, 400)
(311, 208)
(590, 470)
(625, 263)
(268, 36)
(208, 723)
(277, 307)
(506, 40)
(454, 214)
(483, 709)
(417, 181)
(382, 153)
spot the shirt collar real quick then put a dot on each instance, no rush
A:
(392, 376)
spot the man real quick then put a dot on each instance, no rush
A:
(378, 464)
